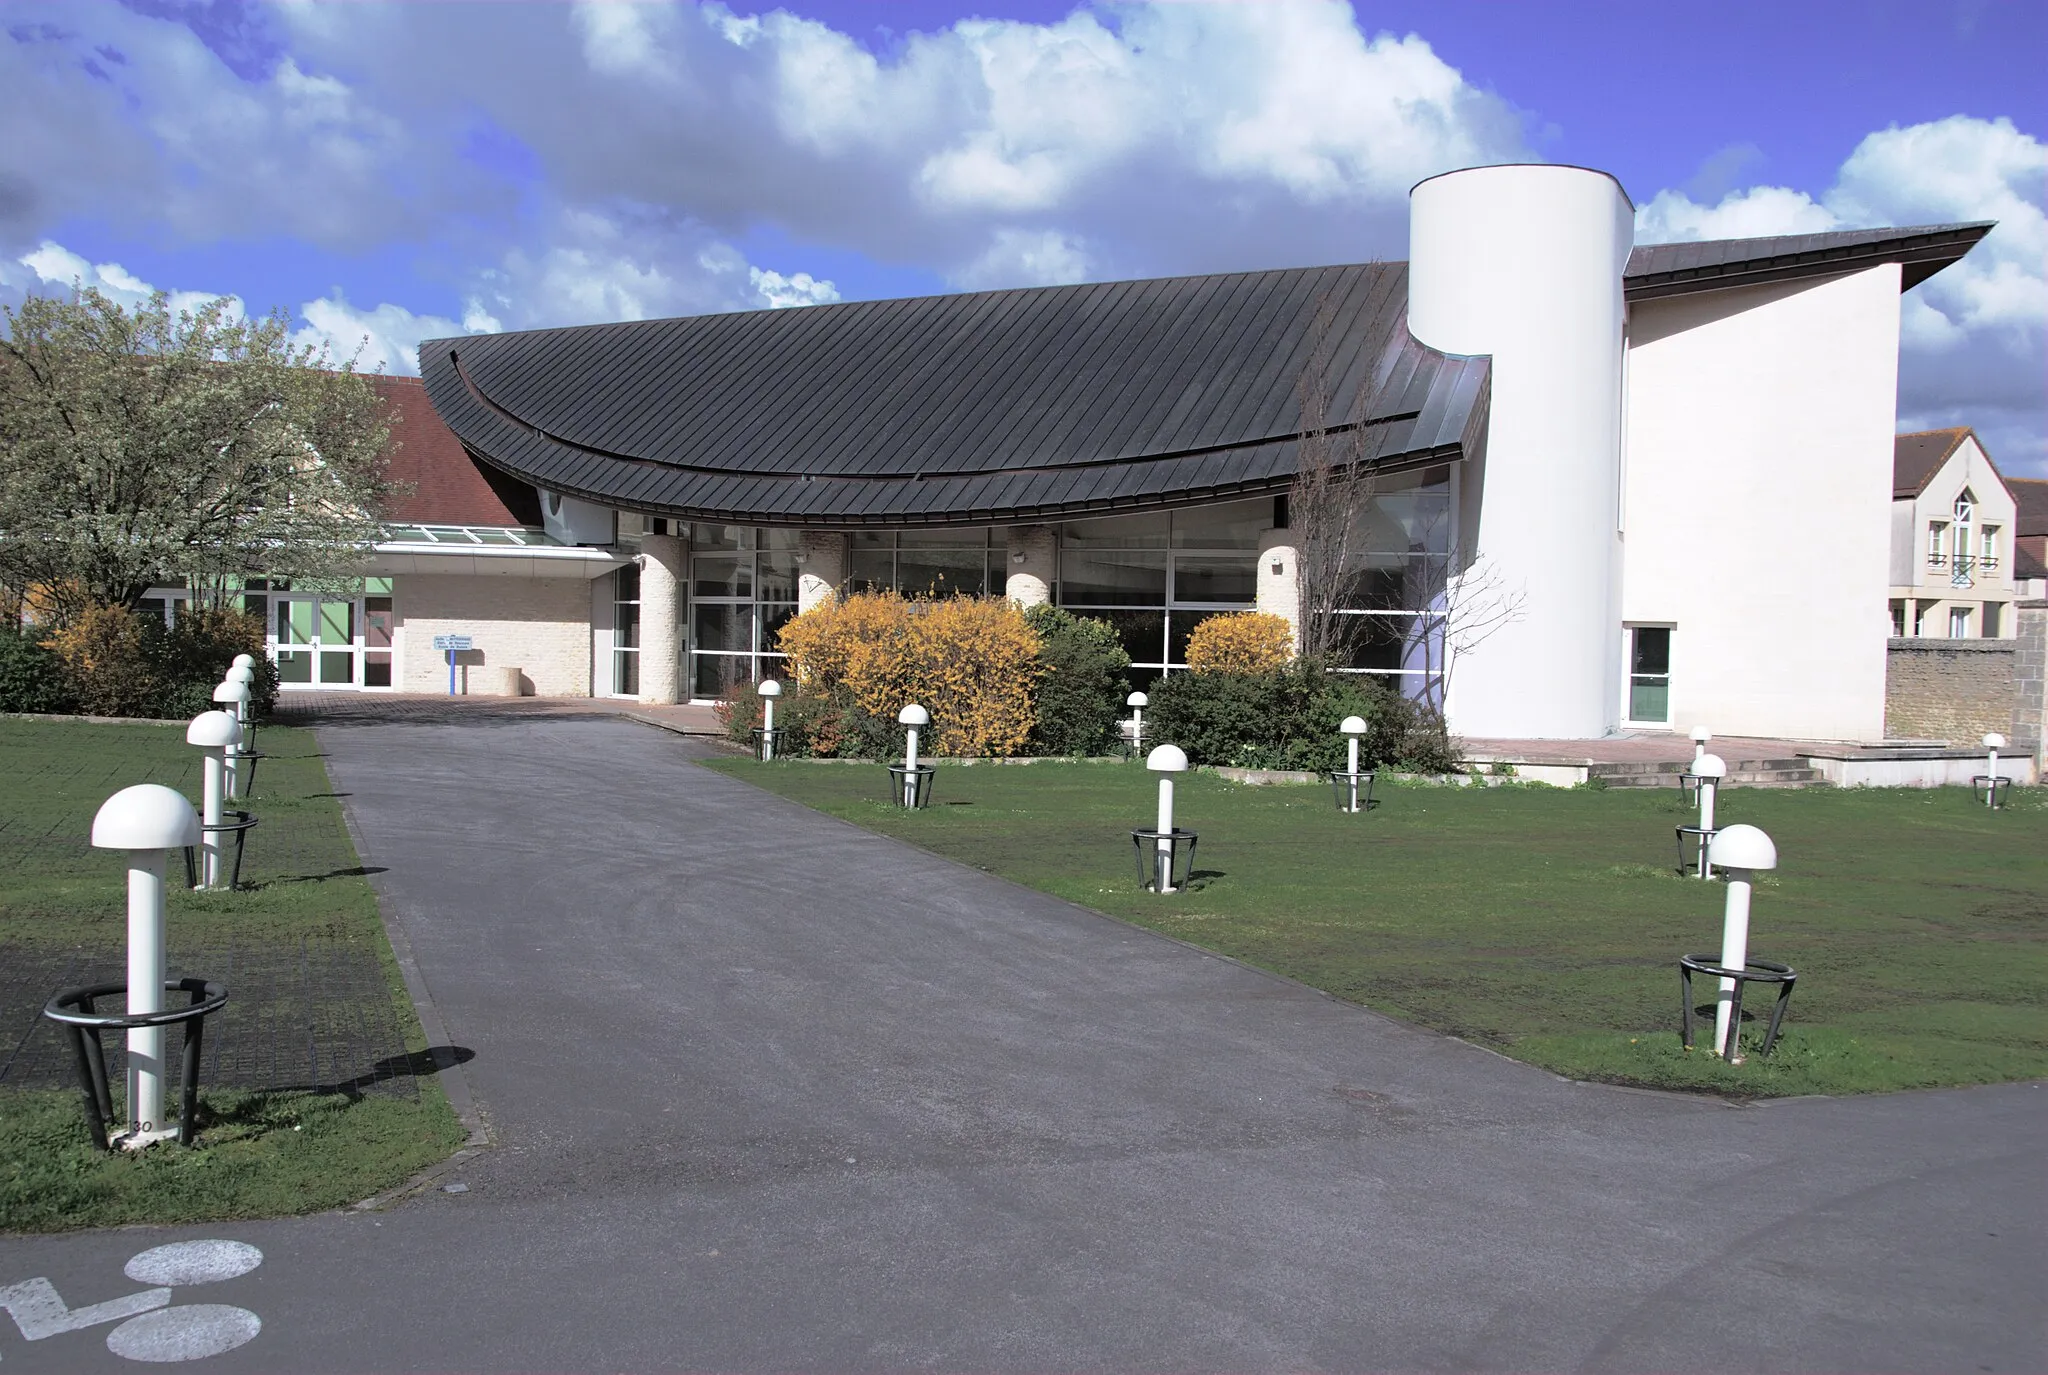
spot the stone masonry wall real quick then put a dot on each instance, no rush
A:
(540, 626)
(2030, 680)
(1953, 690)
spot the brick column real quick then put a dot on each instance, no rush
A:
(664, 564)
(1280, 593)
(821, 568)
(1029, 583)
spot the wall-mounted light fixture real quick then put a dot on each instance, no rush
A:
(1279, 566)
(1017, 557)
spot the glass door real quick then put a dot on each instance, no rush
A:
(313, 640)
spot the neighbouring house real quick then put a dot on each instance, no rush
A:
(1955, 531)
(1598, 445)
(2030, 543)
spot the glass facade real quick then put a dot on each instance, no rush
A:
(1155, 577)
(742, 591)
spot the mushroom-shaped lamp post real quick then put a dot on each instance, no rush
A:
(1993, 743)
(216, 732)
(911, 718)
(769, 690)
(1166, 761)
(1741, 851)
(245, 710)
(1137, 702)
(1709, 769)
(1347, 796)
(148, 821)
(1700, 736)
(234, 697)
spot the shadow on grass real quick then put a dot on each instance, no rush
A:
(356, 871)
(418, 1064)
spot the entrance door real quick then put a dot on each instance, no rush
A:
(313, 640)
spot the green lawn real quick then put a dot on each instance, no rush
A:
(1547, 923)
(263, 1151)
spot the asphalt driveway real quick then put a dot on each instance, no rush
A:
(768, 1092)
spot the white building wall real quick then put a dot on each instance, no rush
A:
(541, 626)
(1757, 520)
(1525, 264)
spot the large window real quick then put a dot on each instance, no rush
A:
(927, 563)
(1399, 595)
(742, 592)
(1155, 577)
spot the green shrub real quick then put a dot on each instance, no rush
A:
(828, 725)
(110, 661)
(1082, 692)
(1288, 719)
(32, 677)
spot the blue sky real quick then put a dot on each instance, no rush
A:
(397, 172)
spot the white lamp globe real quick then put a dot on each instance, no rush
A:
(1167, 759)
(913, 715)
(147, 816)
(1742, 847)
(1353, 725)
(1709, 766)
(769, 688)
(1994, 741)
(213, 730)
(1137, 699)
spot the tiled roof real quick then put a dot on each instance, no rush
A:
(448, 487)
(2031, 495)
(1917, 457)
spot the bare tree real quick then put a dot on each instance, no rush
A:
(1326, 503)
(1464, 602)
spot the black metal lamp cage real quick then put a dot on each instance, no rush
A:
(1703, 838)
(73, 1009)
(1354, 790)
(1754, 971)
(1166, 859)
(239, 828)
(911, 788)
(767, 741)
(1994, 788)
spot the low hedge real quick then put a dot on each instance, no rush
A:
(1288, 719)
(112, 661)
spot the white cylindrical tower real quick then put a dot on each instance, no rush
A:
(1525, 264)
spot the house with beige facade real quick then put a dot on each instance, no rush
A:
(1955, 573)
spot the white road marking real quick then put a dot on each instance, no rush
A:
(189, 1332)
(40, 1313)
(194, 1262)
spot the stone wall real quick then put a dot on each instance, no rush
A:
(2030, 679)
(1953, 690)
(541, 626)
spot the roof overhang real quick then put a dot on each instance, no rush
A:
(1656, 271)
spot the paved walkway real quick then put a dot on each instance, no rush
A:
(772, 1093)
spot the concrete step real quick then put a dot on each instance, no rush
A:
(1758, 773)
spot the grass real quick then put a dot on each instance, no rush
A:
(259, 1153)
(1547, 923)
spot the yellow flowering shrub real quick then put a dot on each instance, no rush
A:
(1241, 642)
(971, 661)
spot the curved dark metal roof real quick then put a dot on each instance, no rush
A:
(988, 407)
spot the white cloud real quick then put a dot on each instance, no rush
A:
(1023, 257)
(52, 269)
(385, 338)
(1974, 338)
(802, 289)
